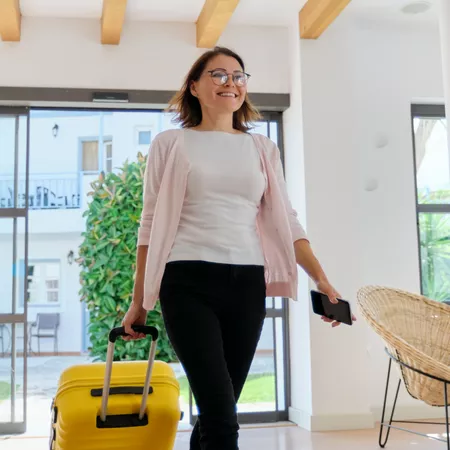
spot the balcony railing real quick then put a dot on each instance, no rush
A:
(46, 191)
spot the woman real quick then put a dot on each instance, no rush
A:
(217, 235)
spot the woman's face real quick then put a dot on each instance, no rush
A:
(215, 91)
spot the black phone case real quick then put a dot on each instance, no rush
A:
(340, 312)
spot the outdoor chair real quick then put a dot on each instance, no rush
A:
(45, 326)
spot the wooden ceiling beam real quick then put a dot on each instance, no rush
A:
(317, 15)
(10, 20)
(213, 20)
(113, 17)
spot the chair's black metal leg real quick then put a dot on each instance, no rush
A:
(39, 346)
(384, 407)
(382, 425)
(446, 415)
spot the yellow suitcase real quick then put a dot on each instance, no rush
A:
(84, 417)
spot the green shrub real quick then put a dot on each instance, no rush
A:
(435, 247)
(108, 258)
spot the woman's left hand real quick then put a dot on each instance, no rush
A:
(326, 288)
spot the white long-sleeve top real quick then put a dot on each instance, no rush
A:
(224, 190)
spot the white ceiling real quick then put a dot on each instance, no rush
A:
(250, 12)
(61, 8)
(389, 9)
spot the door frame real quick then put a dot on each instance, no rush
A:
(14, 318)
(272, 314)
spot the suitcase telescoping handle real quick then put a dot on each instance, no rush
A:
(113, 335)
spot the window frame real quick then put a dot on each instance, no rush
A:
(139, 138)
(36, 261)
(143, 129)
(429, 111)
(108, 159)
(101, 153)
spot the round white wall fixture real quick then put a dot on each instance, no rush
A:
(371, 185)
(417, 7)
(381, 141)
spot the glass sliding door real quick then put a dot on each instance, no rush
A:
(13, 249)
(265, 397)
(265, 394)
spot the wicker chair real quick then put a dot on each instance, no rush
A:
(416, 332)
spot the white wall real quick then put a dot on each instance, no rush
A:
(48, 247)
(358, 82)
(125, 129)
(49, 154)
(151, 55)
(391, 257)
(61, 154)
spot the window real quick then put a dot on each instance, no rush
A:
(108, 157)
(144, 137)
(43, 282)
(89, 156)
(269, 128)
(432, 165)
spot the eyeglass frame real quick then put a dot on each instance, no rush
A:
(228, 76)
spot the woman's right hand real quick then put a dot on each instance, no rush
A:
(136, 315)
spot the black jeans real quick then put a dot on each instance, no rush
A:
(214, 314)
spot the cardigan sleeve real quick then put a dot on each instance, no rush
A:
(297, 230)
(153, 174)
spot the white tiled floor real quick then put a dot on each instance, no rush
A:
(287, 438)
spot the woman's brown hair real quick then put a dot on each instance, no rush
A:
(187, 108)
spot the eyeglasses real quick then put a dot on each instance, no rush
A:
(220, 77)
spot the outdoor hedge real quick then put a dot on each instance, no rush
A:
(107, 258)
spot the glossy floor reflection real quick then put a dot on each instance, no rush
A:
(286, 438)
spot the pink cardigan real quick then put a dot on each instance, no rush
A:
(164, 188)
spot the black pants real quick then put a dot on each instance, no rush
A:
(214, 315)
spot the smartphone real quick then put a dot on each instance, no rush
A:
(341, 311)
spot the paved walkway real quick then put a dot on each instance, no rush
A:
(44, 371)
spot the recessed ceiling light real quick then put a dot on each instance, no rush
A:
(417, 7)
